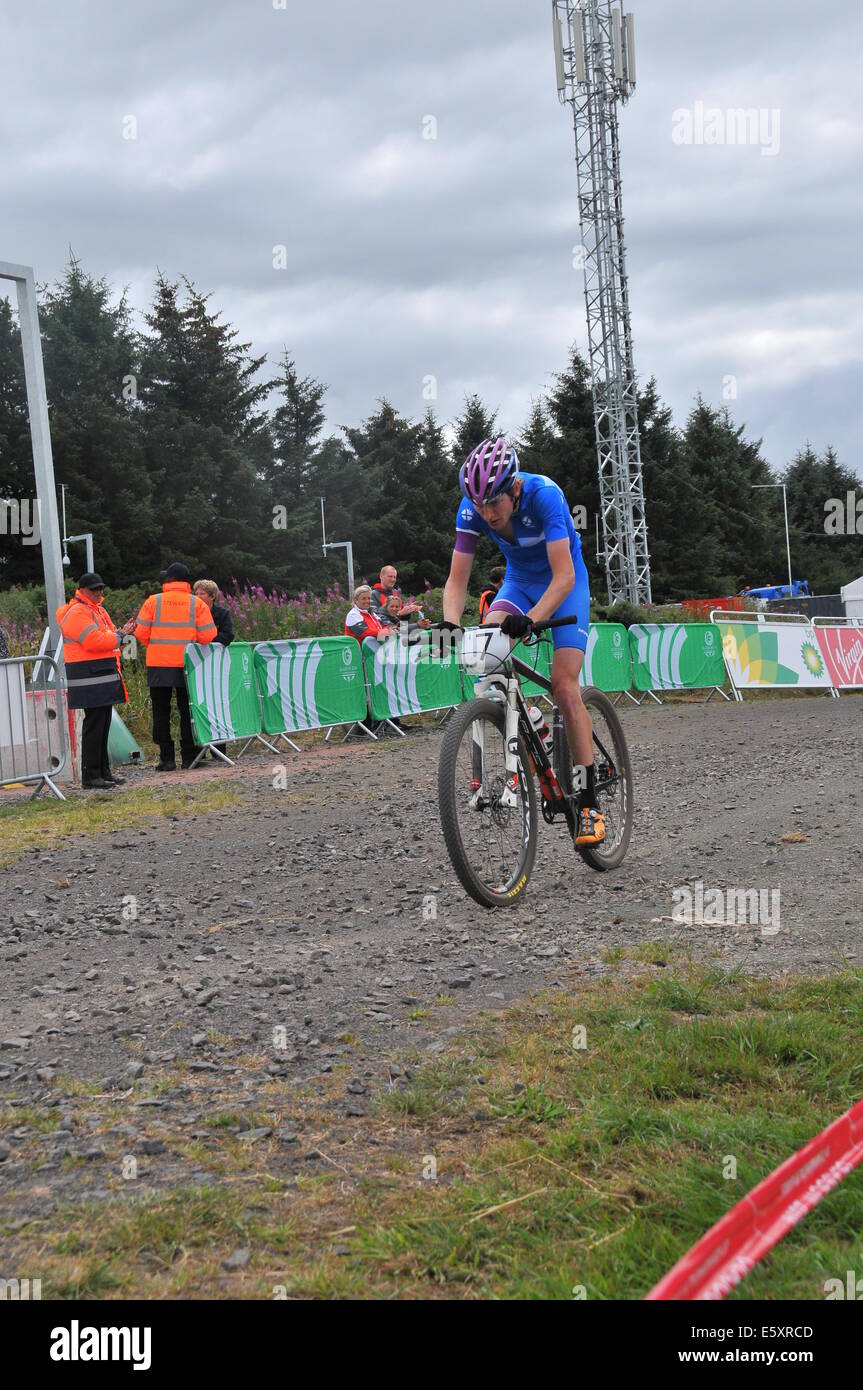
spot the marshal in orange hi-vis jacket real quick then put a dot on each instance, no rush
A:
(167, 621)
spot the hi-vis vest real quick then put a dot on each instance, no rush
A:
(485, 601)
(91, 654)
(167, 621)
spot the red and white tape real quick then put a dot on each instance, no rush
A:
(740, 1238)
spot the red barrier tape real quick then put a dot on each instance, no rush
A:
(740, 1238)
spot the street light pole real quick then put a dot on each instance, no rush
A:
(347, 546)
(787, 543)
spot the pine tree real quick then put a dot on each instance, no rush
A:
(536, 445)
(828, 555)
(207, 439)
(572, 459)
(387, 529)
(434, 497)
(296, 423)
(727, 535)
(669, 494)
(474, 424)
(90, 351)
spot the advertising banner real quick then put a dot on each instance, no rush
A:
(607, 662)
(406, 678)
(310, 683)
(773, 654)
(676, 656)
(842, 650)
(223, 693)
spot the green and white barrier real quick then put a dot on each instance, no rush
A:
(607, 664)
(223, 695)
(676, 656)
(407, 678)
(310, 683)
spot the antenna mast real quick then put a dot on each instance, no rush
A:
(594, 53)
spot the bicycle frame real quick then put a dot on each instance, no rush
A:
(554, 773)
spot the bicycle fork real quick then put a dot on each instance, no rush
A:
(509, 795)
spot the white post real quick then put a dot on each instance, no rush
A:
(40, 436)
(787, 544)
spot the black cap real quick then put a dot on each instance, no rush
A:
(177, 571)
(91, 580)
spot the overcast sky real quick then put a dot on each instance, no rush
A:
(302, 127)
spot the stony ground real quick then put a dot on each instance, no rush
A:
(165, 986)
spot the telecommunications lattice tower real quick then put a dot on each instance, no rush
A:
(595, 62)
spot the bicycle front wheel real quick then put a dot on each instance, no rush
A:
(489, 817)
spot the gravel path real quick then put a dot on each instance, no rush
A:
(281, 939)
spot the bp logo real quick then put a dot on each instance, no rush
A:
(812, 660)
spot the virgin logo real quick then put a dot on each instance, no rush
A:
(843, 652)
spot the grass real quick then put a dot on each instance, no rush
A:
(49, 823)
(520, 1164)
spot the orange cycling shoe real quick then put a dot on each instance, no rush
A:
(591, 826)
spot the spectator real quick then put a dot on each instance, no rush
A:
(166, 622)
(385, 586)
(496, 578)
(4, 646)
(207, 590)
(393, 614)
(361, 622)
(91, 651)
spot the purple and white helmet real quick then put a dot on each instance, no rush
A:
(488, 471)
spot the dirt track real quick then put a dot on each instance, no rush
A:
(303, 911)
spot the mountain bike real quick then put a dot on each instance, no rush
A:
(493, 756)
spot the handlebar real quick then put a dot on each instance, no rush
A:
(556, 622)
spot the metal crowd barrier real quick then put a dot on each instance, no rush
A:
(33, 736)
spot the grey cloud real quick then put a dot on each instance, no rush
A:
(407, 257)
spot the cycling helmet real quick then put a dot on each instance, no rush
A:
(488, 471)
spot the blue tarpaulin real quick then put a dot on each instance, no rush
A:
(801, 587)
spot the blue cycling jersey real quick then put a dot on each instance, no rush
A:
(542, 516)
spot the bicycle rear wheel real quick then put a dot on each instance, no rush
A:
(613, 782)
(489, 824)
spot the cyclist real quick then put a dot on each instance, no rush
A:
(526, 515)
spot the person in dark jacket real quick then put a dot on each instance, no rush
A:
(208, 591)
